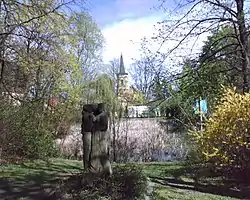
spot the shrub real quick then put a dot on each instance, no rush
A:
(131, 180)
(194, 154)
(127, 182)
(226, 139)
(28, 133)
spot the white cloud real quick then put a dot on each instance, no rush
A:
(125, 37)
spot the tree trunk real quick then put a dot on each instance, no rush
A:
(243, 39)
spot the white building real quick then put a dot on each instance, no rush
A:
(142, 111)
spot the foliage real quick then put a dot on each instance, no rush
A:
(179, 108)
(203, 81)
(101, 90)
(194, 153)
(43, 57)
(216, 66)
(202, 18)
(225, 142)
(135, 97)
(86, 41)
(132, 180)
(204, 77)
(223, 59)
(143, 75)
(28, 133)
(161, 88)
(127, 182)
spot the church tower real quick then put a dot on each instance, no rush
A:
(122, 79)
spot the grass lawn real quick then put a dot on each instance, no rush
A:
(37, 180)
(179, 181)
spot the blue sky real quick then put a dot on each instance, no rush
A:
(124, 23)
(107, 12)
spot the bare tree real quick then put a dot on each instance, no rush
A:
(147, 71)
(204, 17)
(143, 76)
(112, 70)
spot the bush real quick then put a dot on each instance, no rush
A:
(194, 155)
(226, 139)
(28, 132)
(128, 182)
(131, 180)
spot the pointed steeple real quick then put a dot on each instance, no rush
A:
(122, 68)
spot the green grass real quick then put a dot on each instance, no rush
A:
(40, 169)
(173, 180)
(176, 180)
(35, 180)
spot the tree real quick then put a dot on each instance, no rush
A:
(87, 43)
(206, 16)
(113, 70)
(147, 71)
(40, 68)
(19, 23)
(220, 53)
(204, 78)
(143, 76)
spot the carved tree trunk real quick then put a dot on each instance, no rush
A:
(95, 139)
(99, 161)
(86, 148)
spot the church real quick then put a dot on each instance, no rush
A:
(131, 100)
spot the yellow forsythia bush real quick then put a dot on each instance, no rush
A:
(226, 139)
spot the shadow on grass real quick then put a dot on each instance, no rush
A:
(203, 179)
(55, 168)
(28, 190)
(34, 180)
(223, 190)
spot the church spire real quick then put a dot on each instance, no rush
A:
(122, 68)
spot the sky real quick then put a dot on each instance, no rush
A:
(124, 23)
